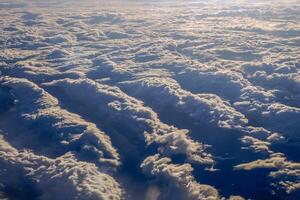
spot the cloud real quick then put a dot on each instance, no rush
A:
(207, 107)
(61, 178)
(35, 71)
(60, 38)
(61, 130)
(285, 172)
(105, 18)
(178, 176)
(256, 144)
(178, 143)
(138, 122)
(105, 85)
(58, 53)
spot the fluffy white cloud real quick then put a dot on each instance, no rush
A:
(61, 178)
(178, 143)
(104, 84)
(137, 120)
(63, 130)
(199, 107)
(178, 176)
(286, 173)
(208, 109)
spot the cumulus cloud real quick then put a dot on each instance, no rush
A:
(103, 85)
(256, 144)
(198, 107)
(60, 129)
(178, 176)
(178, 143)
(61, 178)
(139, 121)
(285, 172)
(208, 109)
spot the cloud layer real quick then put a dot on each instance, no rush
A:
(149, 99)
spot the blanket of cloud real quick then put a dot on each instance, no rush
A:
(151, 100)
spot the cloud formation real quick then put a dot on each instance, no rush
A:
(62, 178)
(61, 130)
(285, 172)
(149, 99)
(178, 176)
(140, 122)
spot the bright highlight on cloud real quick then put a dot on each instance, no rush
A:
(150, 100)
